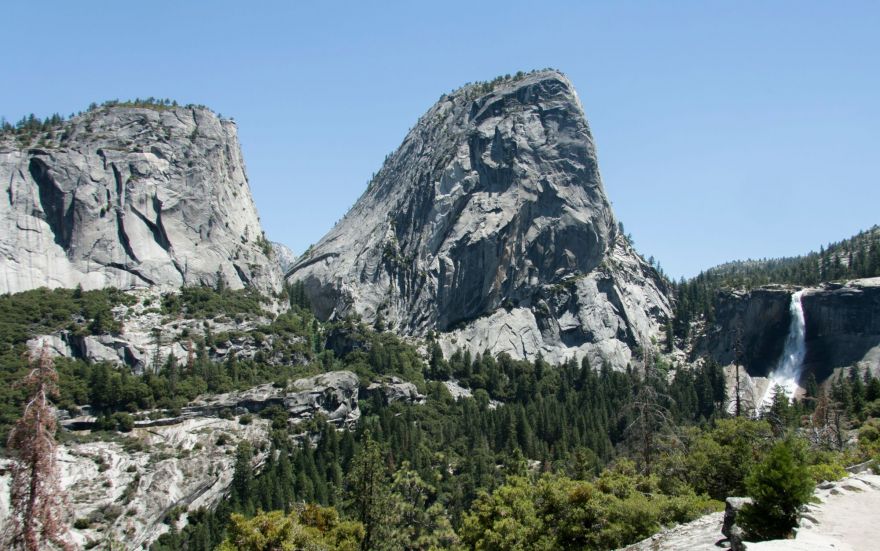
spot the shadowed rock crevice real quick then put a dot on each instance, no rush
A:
(57, 208)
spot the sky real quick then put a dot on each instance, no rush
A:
(725, 130)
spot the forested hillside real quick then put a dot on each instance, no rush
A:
(560, 456)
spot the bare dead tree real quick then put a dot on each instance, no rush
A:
(653, 425)
(738, 361)
(743, 402)
(35, 492)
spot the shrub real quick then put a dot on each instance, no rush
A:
(780, 485)
(82, 523)
(124, 421)
(869, 438)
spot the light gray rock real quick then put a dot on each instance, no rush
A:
(125, 491)
(701, 534)
(600, 316)
(490, 222)
(334, 394)
(131, 197)
(284, 257)
(397, 390)
(456, 390)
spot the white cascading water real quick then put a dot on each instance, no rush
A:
(788, 371)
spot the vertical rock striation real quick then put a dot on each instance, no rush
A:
(490, 224)
(130, 197)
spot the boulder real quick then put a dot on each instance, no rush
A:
(734, 533)
(395, 389)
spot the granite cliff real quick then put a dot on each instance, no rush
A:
(129, 197)
(842, 326)
(490, 225)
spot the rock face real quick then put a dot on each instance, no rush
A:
(492, 213)
(759, 319)
(842, 327)
(284, 257)
(125, 488)
(394, 389)
(131, 197)
(333, 394)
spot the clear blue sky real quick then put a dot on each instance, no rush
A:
(725, 130)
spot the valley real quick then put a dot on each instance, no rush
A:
(475, 357)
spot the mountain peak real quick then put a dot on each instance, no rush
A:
(491, 208)
(130, 194)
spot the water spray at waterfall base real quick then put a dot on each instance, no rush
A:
(787, 372)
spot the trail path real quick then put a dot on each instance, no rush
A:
(847, 519)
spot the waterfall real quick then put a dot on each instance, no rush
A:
(787, 372)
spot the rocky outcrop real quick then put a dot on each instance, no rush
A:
(332, 395)
(698, 535)
(602, 315)
(394, 389)
(284, 257)
(133, 488)
(130, 197)
(490, 222)
(148, 337)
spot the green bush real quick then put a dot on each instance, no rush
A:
(716, 462)
(124, 421)
(82, 523)
(206, 302)
(556, 512)
(780, 485)
(869, 438)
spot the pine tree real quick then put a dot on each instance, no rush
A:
(243, 476)
(35, 494)
(779, 485)
(857, 390)
(367, 491)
